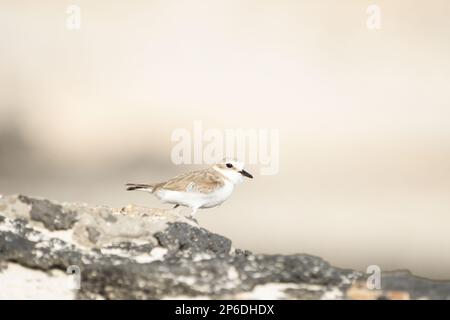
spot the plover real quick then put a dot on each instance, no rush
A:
(198, 189)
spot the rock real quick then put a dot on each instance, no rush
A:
(75, 251)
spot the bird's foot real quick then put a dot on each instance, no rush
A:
(192, 218)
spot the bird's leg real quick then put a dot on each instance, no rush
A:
(192, 215)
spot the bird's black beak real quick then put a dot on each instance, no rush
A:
(246, 174)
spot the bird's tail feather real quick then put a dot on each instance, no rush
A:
(139, 186)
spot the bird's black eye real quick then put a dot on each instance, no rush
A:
(229, 165)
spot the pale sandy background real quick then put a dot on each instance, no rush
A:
(364, 116)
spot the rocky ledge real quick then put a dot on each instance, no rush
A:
(74, 251)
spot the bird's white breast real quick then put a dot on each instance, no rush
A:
(198, 199)
(220, 195)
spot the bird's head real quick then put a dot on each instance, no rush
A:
(233, 170)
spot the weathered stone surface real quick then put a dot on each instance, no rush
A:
(142, 253)
(50, 214)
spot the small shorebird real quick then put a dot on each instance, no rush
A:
(199, 189)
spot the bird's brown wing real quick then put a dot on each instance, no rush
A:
(204, 181)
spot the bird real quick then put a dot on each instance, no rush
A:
(200, 189)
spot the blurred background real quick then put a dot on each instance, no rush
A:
(363, 115)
